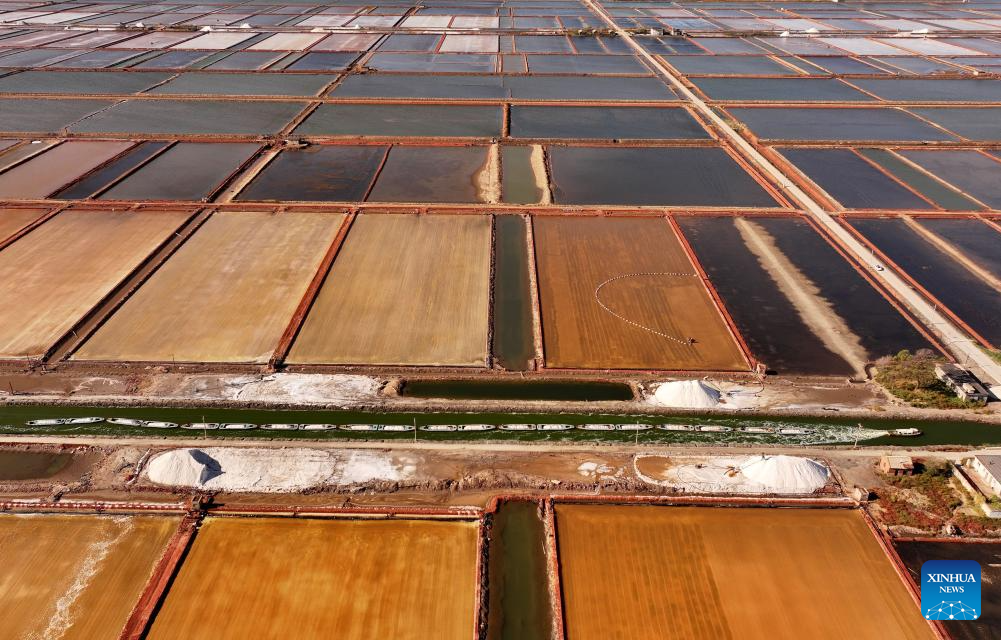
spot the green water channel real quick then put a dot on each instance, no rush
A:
(825, 430)
(512, 315)
(518, 181)
(520, 607)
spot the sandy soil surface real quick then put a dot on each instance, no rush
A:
(413, 474)
(225, 296)
(60, 270)
(63, 385)
(451, 474)
(75, 576)
(689, 576)
(404, 289)
(402, 578)
(407, 473)
(622, 293)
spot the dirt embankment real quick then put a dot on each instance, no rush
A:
(538, 160)
(488, 180)
(403, 476)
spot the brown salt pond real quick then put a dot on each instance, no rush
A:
(637, 571)
(56, 273)
(261, 577)
(622, 293)
(57, 167)
(75, 576)
(404, 289)
(13, 220)
(225, 296)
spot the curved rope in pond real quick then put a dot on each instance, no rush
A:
(597, 297)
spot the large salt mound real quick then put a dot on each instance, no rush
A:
(240, 469)
(687, 394)
(785, 474)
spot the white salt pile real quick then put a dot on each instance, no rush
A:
(785, 474)
(274, 470)
(687, 394)
(756, 475)
(240, 469)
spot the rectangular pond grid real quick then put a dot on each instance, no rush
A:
(519, 107)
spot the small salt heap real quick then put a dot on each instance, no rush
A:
(687, 394)
(785, 474)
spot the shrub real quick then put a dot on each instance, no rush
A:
(911, 377)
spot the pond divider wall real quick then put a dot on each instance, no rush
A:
(898, 565)
(159, 582)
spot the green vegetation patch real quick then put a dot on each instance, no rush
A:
(929, 500)
(925, 500)
(911, 377)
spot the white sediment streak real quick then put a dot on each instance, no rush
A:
(804, 295)
(488, 180)
(538, 160)
(950, 250)
(62, 618)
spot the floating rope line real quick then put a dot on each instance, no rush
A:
(597, 298)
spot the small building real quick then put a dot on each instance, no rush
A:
(962, 381)
(988, 467)
(896, 465)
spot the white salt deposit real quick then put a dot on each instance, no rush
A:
(242, 469)
(309, 388)
(274, 470)
(783, 475)
(700, 394)
(63, 616)
(187, 467)
(590, 469)
(366, 466)
(687, 394)
(296, 388)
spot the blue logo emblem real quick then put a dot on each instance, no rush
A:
(950, 590)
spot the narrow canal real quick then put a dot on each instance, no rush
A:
(520, 608)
